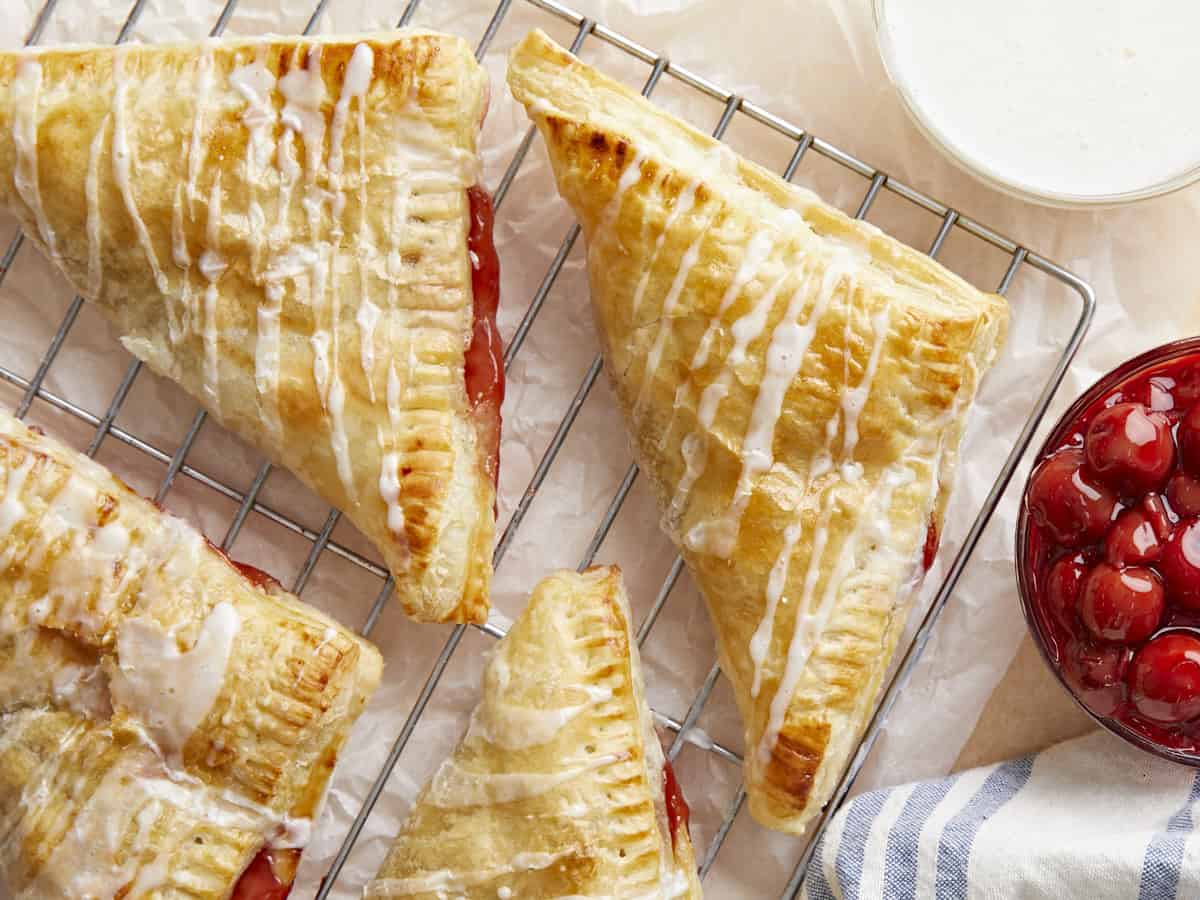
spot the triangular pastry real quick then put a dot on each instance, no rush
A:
(291, 229)
(558, 788)
(795, 383)
(168, 719)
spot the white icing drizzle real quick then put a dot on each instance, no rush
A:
(717, 158)
(757, 252)
(266, 356)
(809, 623)
(340, 441)
(389, 491)
(179, 321)
(195, 158)
(808, 627)
(355, 83)
(122, 160)
(212, 266)
(690, 257)
(12, 508)
(784, 357)
(303, 89)
(304, 92)
(442, 880)
(94, 221)
(256, 83)
(40, 668)
(455, 787)
(394, 389)
(631, 176)
(26, 90)
(179, 246)
(514, 726)
(745, 329)
(854, 400)
(169, 689)
(88, 861)
(368, 313)
(367, 318)
(133, 807)
(694, 446)
(687, 199)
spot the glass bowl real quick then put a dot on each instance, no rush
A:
(1099, 674)
(964, 160)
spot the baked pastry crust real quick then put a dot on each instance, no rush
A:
(796, 385)
(557, 788)
(280, 225)
(164, 717)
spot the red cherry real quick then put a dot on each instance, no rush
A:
(1130, 447)
(1183, 492)
(1132, 540)
(1102, 665)
(1121, 604)
(1188, 435)
(1066, 500)
(1165, 678)
(1186, 389)
(1157, 515)
(1063, 583)
(1180, 564)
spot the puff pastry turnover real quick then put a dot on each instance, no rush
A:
(285, 227)
(168, 722)
(558, 788)
(795, 383)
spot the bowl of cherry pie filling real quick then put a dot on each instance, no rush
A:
(1108, 551)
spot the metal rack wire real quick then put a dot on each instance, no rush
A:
(321, 542)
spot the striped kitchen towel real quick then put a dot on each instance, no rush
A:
(1089, 819)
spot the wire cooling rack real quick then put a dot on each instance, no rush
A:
(949, 220)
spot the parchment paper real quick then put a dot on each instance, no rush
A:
(812, 61)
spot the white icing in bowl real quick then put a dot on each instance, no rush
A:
(1070, 102)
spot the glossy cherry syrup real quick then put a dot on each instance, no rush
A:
(268, 877)
(1109, 554)
(485, 355)
(677, 808)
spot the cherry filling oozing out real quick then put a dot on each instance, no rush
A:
(1114, 542)
(485, 355)
(268, 877)
(677, 808)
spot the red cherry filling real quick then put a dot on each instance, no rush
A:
(1112, 533)
(1165, 678)
(1063, 583)
(1121, 604)
(1188, 435)
(1183, 493)
(1132, 539)
(268, 877)
(1068, 502)
(1130, 447)
(484, 365)
(1102, 665)
(1158, 515)
(677, 808)
(1180, 565)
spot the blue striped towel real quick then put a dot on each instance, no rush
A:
(1091, 818)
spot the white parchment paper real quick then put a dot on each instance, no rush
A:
(811, 61)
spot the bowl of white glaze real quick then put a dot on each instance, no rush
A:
(1073, 103)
